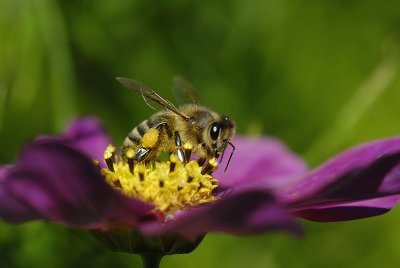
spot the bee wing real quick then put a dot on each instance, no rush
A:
(183, 91)
(149, 94)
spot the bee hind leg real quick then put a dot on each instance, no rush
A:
(150, 140)
(141, 154)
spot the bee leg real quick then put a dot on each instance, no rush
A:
(179, 151)
(149, 141)
(141, 154)
(165, 126)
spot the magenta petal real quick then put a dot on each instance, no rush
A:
(391, 182)
(365, 174)
(243, 213)
(357, 173)
(260, 159)
(350, 210)
(4, 171)
(53, 181)
(13, 209)
(87, 134)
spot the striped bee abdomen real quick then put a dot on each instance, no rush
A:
(135, 136)
(137, 133)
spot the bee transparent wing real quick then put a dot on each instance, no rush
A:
(149, 94)
(183, 91)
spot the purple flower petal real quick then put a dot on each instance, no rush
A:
(347, 210)
(89, 136)
(86, 134)
(245, 212)
(53, 181)
(12, 208)
(392, 181)
(361, 182)
(4, 171)
(261, 159)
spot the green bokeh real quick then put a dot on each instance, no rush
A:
(320, 75)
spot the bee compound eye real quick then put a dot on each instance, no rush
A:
(214, 131)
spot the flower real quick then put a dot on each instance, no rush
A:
(56, 179)
(263, 189)
(361, 182)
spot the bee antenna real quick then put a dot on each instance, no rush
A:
(230, 157)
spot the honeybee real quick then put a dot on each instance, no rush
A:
(169, 130)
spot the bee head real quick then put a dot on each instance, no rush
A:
(214, 132)
(220, 133)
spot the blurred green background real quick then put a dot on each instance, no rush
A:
(320, 75)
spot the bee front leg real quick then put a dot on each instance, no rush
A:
(179, 151)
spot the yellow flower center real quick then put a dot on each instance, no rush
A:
(168, 185)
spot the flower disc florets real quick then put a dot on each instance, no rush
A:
(168, 185)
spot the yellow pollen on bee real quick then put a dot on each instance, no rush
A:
(150, 138)
(169, 185)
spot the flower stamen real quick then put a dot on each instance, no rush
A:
(168, 185)
(109, 157)
(129, 155)
(211, 166)
(187, 150)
